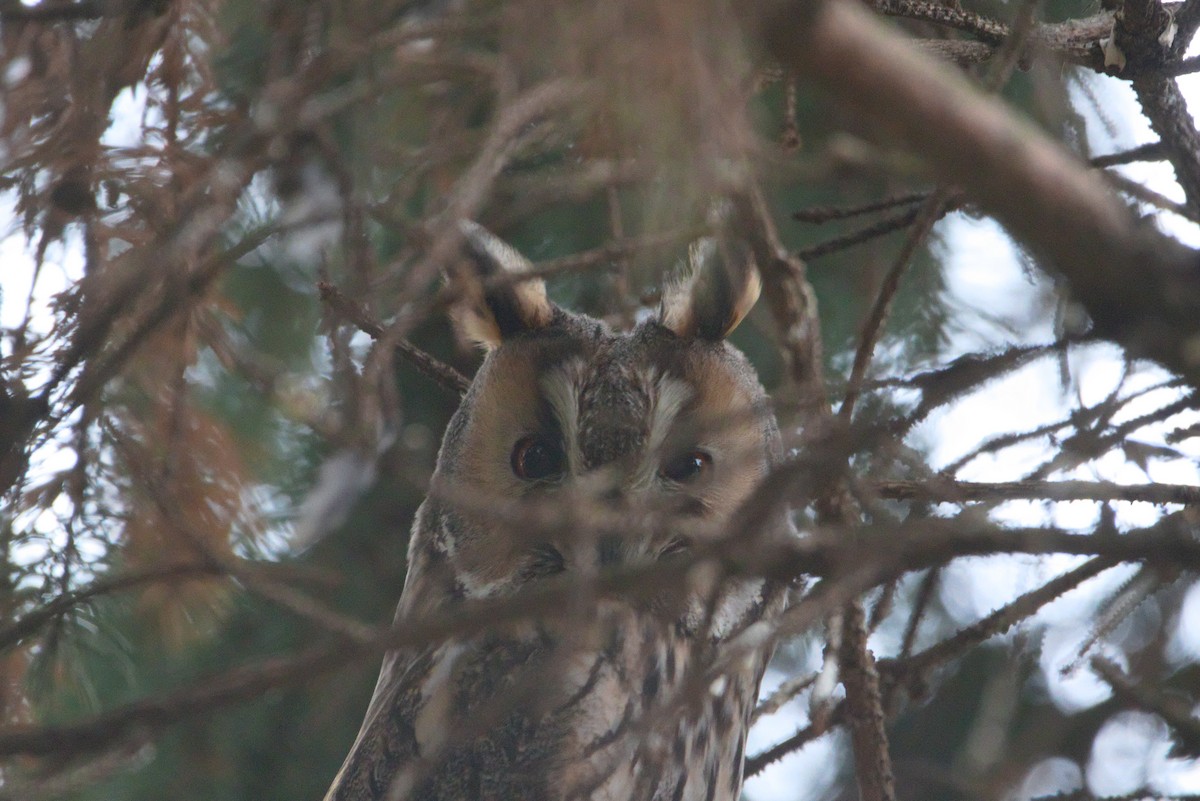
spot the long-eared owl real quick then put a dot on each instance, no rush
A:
(578, 453)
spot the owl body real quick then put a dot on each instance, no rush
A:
(577, 453)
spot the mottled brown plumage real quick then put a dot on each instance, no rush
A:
(664, 429)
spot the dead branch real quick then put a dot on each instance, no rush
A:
(1142, 43)
(818, 214)
(945, 490)
(932, 209)
(442, 373)
(42, 615)
(864, 709)
(1036, 190)
(1176, 711)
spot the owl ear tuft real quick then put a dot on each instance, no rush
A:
(715, 291)
(492, 307)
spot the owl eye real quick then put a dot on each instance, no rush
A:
(686, 467)
(535, 458)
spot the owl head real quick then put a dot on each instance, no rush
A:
(665, 423)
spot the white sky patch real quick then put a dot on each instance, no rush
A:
(1120, 103)
(1185, 644)
(1050, 777)
(128, 117)
(982, 269)
(1128, 754)
(804, 775)
(1072, 685)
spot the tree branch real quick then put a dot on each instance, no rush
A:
(442, 373)
(945, 490)
(1045, 198)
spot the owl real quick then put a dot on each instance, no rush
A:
(579, 452)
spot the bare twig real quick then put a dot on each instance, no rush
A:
(757, 762)
(443, 374)
(1011, 170)
(887, 225)
(1153, 151)
(1176, 711)
(61, 604)
(985, 29)
(1004, 618)
(929, 583)
(1150, 197)
(864, 709)
(932, 210)
(860, 562)
(786, 691)
(823, 214)
(945, 490)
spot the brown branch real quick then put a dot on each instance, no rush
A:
(1137, 39)
(918, 665)
(1187, 17)
(824, 214)
(912, 672)
(821, 214)
(795, 313)
(1153, 151)
(606, 255)
(443, 374)
(1166, 108)
(1046, 199)
(108, 729)
(932, 210)
(894, 222)
(786, 691)
(983, 28)
(61, 604)
(1174, 710)
(949, 491)
(957, 51)
(177, 299)
(925, 590)
(946, 384)
(1148, 196)
(791, 297)
(864, 709)
(1185, 66)
(1075, 40)
(504, 141)
(756, 763)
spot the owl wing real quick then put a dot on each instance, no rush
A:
(589, 707)
(454, 722)
(458, 718)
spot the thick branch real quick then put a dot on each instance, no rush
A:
(1036, 189)
(950, 491)
(1142, 35)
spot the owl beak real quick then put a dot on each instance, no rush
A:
(614, 496)
(605, 485)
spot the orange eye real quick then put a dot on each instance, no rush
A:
(535, 458)
(686, 467)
